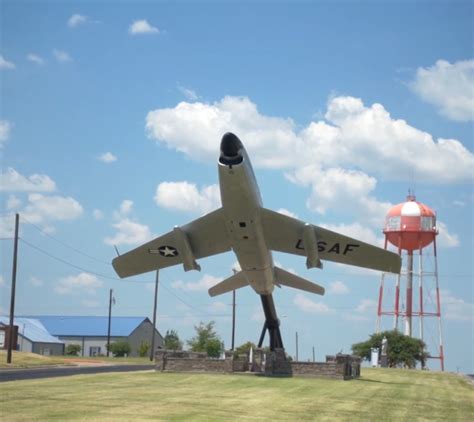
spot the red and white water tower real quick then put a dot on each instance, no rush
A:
(411, 227)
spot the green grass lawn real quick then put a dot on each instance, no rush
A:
(380, 395)
(30, 360)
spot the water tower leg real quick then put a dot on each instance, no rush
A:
(379, 308)
(438, 308)
(409, 305)
(420, 279)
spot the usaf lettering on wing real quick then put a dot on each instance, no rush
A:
(335, 248)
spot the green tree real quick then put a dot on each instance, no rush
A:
(120, 348)
(403, 351)
(172, 341)
(206, 340)
(73, 349)
(143, 349)
(245, 348)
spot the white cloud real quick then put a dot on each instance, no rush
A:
(61, 56)
(5, 64)
(76, 20)
(338, 288)
(126, 207)
(456, 309)
(2, 281)
(7, 226)
(366, 138)
(284, 211)
(36, 281)
(78, 284)
(12, 181)
(13, 202)
(185, 196)
(107, 157)
(35, 59)
(5, 128)
(335, 188)
(142, 27)
(196, 128)
(188, 93)
(218, 307)
(43, 208)
(205, 283)
(98, 214)
(357, 231)
(366, 305)
(310, 306)
(449, 87)
(129, 233)
(445, 238)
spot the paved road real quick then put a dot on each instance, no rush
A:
(33, 373)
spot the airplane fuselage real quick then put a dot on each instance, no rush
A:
(242, 203)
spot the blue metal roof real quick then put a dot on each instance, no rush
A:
(90, 326)
(31, 329)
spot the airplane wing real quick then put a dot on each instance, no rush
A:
(286, 234)
(203, 237)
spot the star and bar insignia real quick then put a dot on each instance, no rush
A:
(166, 251)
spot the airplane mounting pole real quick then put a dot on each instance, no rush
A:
(152, 352)
(12, 301)
(110, 318)
(233, 319)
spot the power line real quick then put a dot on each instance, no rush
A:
(63, 261)
(42, 231)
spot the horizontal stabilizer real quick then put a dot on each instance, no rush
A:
(232, 283)
(292, 280)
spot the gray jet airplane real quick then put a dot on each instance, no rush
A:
(252, 232)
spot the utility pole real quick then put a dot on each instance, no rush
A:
(314, 359)
(110, 318)
(12, 301)
(297, 346)
(233, 314)
(152, 352)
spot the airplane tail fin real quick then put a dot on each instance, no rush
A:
(291, 280)
(234, 282)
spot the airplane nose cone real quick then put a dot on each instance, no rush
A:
(231, 147)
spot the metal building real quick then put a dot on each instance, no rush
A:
(33, 337)
(90, 332)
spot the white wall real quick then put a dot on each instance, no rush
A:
(87, 342)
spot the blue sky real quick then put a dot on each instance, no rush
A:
(111, 119)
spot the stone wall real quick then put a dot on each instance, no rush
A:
(179, 361)
(268, 363)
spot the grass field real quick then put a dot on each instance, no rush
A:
(29, 360)
(390, 395)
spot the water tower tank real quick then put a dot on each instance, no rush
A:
(410, 225)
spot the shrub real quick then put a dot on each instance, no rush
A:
(73, 349)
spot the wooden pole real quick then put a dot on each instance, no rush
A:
(110, 318)
(12, 301)
(152, 351)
